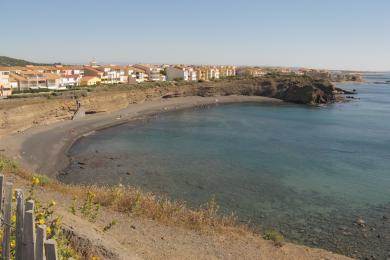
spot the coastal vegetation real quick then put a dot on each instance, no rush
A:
(43, 215)
(8, 61)
(134, 203)
(131, 200)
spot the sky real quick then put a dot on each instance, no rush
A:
(331, 34)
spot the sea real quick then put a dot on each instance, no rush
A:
(318, 175)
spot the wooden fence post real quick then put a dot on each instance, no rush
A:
(51, 249)
(29, 235)
(19, 224)
(1, 191)
(39, 245)
(7, 221)
(29, 205)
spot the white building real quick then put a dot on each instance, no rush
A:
(153, 71)
(70, 80)
(135, 75)
(214, 73)
(181, 73)
(5, 86)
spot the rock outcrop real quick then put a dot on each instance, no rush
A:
(296, 89)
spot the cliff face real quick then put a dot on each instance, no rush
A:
(21, 114)
(302, 90)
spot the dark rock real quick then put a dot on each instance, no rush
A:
(296, 89)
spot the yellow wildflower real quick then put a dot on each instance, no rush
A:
(13, 243)
(48, 231)
(95, 258)
(41, 221)
(13, 218)
(52, 203)
(35, 181)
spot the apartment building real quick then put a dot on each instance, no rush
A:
(90, 81)
(35, 80)
(181, 73)
(135, 75)
(110, 74)
(207, 72)
(227, 71)
(154, 72)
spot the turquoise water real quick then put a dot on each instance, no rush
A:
(308, 172)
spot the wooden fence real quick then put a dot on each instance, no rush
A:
(30, 241)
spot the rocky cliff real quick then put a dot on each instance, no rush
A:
(296, 89)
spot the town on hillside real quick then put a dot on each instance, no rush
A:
(19, 79)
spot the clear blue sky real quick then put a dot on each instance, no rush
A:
(335, 34)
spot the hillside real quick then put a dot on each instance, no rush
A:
(7, 61)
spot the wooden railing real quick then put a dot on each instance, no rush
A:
(30, 241)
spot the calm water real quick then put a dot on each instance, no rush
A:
(309, 172)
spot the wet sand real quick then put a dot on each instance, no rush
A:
(43, 149)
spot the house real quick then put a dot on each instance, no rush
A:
(5, 86)
(90, 81)
(27, 79)
(53, 81)
(110, 74)
(213, 73)
(154, 72)
(70, 80)
(181, 73)
(207, 73)
(70, 70)
(227, 71)
(251, 72)
(135, 75)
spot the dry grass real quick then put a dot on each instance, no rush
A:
(133, 201)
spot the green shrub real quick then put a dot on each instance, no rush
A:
(43, 179)
(274, 236)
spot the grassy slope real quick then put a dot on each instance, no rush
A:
(7, 61)
(150, 227)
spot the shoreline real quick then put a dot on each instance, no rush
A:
(43, 149)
